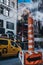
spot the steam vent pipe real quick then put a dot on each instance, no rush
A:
(30, 34)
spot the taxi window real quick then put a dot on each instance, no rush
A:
(14, 44)
(3, 42)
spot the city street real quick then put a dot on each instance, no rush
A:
(10, 61)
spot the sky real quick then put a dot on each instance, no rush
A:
(24, 0)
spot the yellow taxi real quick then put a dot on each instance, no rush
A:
(8, 48)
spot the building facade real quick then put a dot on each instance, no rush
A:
(8, 16)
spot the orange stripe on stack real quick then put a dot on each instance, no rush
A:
(30, 34)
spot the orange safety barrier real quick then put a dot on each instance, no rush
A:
(32, 59)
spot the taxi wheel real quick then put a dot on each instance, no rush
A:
(4, 50)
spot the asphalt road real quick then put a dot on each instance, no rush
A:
(12, 61)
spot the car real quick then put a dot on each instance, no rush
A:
(8, 48)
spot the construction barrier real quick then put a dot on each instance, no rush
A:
(30, 58)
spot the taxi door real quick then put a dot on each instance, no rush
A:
(13, 48)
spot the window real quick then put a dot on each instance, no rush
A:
(6, 12)
(3, 42)
(2, 1)
(14, 44)
(2, 30)
(7, 2)
(10, 25)
(1, 23)
(13, 4)
(1, 10)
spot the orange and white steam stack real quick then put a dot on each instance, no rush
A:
(30, 34)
